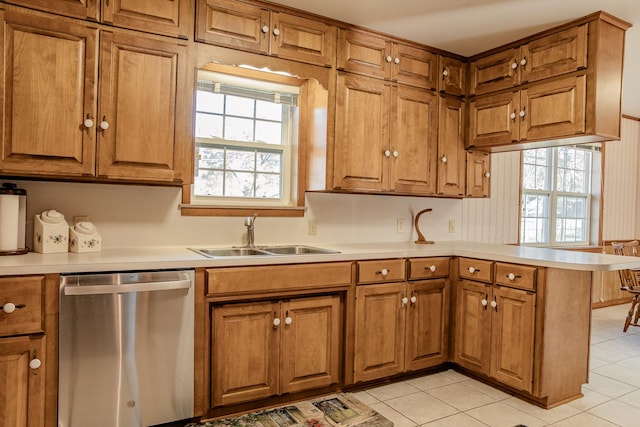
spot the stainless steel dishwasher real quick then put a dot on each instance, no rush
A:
(126, 348)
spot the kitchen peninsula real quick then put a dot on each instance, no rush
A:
(514, 317)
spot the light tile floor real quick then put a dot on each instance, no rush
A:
(450, 399)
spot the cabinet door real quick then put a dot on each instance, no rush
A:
(413, 141)
(379, 336)
(427, 324)
(244, 352)
(512, 327)
(495, 72)
(143, 99)
(301, 39)
(83, 9)
(478, 179)
(472, 331)
(27, 294)
(553, 55)
(414, 66)
(362, 152)
(234, 24)
(364, 54)
(168, 17)
(23, 406)
(311, 332)
(451, 154)
(554, 109)
(451, 75)
(39, 136)
(494, 120)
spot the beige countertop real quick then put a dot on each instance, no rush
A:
(170, 257)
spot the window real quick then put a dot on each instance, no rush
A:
(245, 141)
(557, 200)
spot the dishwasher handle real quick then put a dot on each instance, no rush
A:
(128, 288)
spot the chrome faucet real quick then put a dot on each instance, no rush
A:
(248, 222)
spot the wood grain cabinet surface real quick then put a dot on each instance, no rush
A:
(254, 28)
(167, 17)
(478, 174)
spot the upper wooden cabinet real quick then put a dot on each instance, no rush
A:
(451, 154)
(453, 75)
(375, 56)
(136, 128)
(553, 55)
(168, 17)
(478, 174)
(253, 28)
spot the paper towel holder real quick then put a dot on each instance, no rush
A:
(421, 240)
(15, 223)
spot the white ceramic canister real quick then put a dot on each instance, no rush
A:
(13, 221)
(50, 232)
(84, 237)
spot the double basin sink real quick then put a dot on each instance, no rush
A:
(263, 251)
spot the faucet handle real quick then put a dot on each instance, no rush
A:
(248, 220)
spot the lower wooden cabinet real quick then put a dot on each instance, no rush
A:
(268, 348)
(400, 327)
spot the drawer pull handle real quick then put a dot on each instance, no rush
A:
(11, 307)
(473, 270)
(431, 269)
(512, 276)
(384, 271)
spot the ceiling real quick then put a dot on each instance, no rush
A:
(467, 27)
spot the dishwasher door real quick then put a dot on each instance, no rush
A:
(126, 349)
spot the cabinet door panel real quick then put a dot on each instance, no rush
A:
(495, 72)
(83, 9)
(478, 180)
(302, 39)
(472, 344)
(554, 109)
(364, 54)
(362, 134)
(556, 54)
(493, 120)
(451, 75)
(169, 17)
(23, 403)
(415, 66)
(244, 349)
(141, 97)
(414, 141)
(42, 135)
(451, 154)
(379, 337)
(310, 343)
(233, 24)
(512, 337)
(427, 324)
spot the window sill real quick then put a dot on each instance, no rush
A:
(262, 211)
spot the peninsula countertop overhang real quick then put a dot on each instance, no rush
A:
(174, 257)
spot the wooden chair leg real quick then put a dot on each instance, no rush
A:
(636, 315)
(627, 321)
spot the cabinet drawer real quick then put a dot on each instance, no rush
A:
(239, 280)
(25, 293)
(428, 268)
(516, 276)
(475, 269)
(379, 271)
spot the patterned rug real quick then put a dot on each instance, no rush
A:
(338, 410)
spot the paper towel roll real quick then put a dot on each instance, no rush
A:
(9, 220)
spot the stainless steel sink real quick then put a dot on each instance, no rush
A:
(263, 250)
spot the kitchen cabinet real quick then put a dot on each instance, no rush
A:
(494, 332)
(478, 174)
(552, 55)
(453, 75)
(166, 17)
(547, 110)
(28, 352)
(400, 325)
(385, 137)
(376, 56)
(451, 153)
(133, 131)
(254, 28)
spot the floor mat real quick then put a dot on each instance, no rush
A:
(338, 410)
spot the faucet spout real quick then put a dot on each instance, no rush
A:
(249, 223)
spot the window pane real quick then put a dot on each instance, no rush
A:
(208, 126)
(210, 157)
(269, 162)
(240, 106)
(268, 185)
(210, 102)
(241, 160)
(269, 111)
(269, 132)
(238, 129)
(208, 183)
(239, 184)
